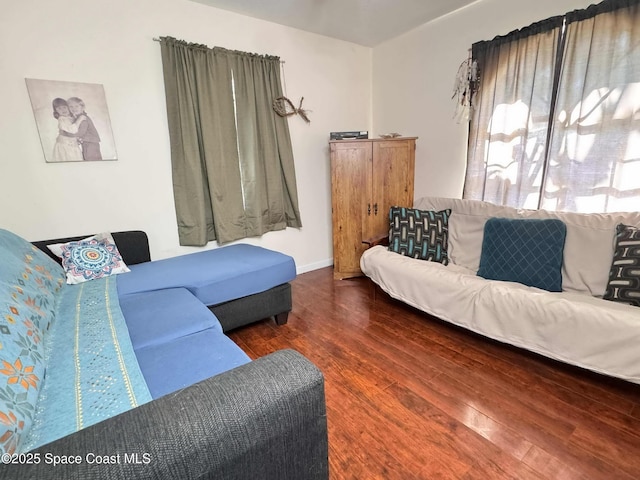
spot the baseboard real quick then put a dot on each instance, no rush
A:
(314, 266)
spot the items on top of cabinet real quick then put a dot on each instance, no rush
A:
(359, 135)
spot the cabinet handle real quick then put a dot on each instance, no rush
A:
(369, 209)
(375, 209)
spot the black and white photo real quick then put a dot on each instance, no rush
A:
(72, 120)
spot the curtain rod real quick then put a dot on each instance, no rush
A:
(156, 39)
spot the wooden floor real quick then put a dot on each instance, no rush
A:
(411, 397)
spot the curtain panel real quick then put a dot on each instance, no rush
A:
(508, 129)
(556, 124)
(232, 161)
(594, 152)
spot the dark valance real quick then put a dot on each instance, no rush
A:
(542, 26)
(549, 24)
(599, 8)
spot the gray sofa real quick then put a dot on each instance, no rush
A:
(263, 419)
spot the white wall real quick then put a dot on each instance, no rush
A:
(413, 80)
(110, 43)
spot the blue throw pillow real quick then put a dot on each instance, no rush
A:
(421, 234)
(527, 251)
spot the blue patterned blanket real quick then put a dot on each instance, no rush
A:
(92, 371)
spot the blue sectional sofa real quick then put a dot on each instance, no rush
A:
(136, 371)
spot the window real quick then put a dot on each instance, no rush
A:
(557, 118)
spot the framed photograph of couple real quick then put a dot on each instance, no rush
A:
(73, 120)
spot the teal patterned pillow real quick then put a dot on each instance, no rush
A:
(624, 277)
(527, 251)
(29, 284)
(422, 234)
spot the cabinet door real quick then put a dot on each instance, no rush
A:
(350, 200)
(393, 172)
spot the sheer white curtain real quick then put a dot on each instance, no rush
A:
(595, 144)
(509, 127)
(557, 122)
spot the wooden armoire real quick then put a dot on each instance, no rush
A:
(367, 178)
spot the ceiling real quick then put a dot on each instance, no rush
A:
(365, 22)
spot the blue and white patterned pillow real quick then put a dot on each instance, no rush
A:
(89, 259)
(422, 234)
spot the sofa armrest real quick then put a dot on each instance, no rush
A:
(379, 240)
(262, 420)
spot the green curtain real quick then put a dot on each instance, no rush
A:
(232, 161)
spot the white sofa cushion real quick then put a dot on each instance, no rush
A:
(589, 243)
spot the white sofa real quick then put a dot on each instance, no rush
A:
(575, 326)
